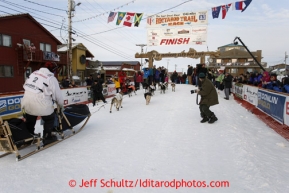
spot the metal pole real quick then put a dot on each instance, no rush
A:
(168, 65)
(141, 45)
(249, 52)
(69, 64)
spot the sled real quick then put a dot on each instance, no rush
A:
(13, 138)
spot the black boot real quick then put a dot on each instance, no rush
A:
(213, 118)
(48, 138)
(205, 119)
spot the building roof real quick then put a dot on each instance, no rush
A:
(64, 48)
(27, 15)
(231, 45)
(119, 63)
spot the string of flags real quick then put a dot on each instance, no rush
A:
(225, 8)
(105, 12)
(129, 19)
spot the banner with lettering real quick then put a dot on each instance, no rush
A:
(177, 19)
(250, 94)
(74, 95)
(272, 104)
(239, 90)
(286, 112)
(177, 36)
(233, 87)
(10, 105)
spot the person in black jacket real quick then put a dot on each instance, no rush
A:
(227, 81)
(189, 74)
(201, 68)
(96, 88)
(99, 79)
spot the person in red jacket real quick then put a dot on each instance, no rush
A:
(139, 80)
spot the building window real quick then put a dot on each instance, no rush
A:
(5, 40)
(222, 49)
(6, 71)
(249, 69)
(45, 47)
(234, 70)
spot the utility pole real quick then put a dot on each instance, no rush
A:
(286, 56)
(69, 64)
(71, 9)
(168, 60)
(141, 45)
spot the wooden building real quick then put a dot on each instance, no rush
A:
(111, 68)
(25, 46)
(79, 60)
(236, 60)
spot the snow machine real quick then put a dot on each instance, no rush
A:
(14, 135)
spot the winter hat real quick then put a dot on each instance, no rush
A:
(51, 66)
(202, 75)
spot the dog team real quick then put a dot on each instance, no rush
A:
(149, 91)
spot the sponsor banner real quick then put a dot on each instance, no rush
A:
(107, 91)
(233, 87)
(272, 104)
(177, 19)
(111, 89)
(177, 36)
(250, 94)
(10, 105)
(239, 90)
(74, 95)
(286, 112)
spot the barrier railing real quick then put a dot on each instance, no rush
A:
(270, 106)
(10, 103)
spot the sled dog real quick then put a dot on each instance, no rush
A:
(116, 101)
(173, 87)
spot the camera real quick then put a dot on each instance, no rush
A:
(194, 91)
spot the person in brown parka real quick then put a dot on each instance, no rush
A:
(209, 97)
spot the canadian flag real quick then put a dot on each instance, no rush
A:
(128, 19)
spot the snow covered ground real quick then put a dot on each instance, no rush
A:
(163, 143)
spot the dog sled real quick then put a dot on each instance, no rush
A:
(14, 136)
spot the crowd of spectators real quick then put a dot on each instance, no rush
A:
(264, 80)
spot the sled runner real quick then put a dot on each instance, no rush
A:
(14, 135)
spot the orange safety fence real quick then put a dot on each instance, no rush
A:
(281, 129)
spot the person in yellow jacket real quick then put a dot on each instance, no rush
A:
(117, 84)
(219, 80)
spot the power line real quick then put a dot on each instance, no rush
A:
(105, 12)
(95, 43)
(169, 8)
(10, 3)
(99, 42)
(124, 34)
(44, 5)
(142, 18)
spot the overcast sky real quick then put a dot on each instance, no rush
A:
(262, 26)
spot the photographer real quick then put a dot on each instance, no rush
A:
(201, 68)
(209, 97)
